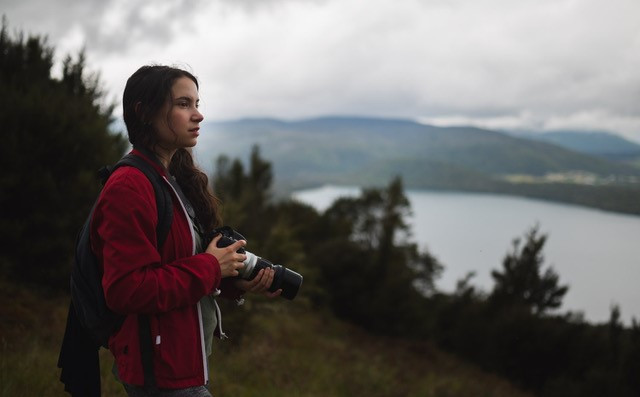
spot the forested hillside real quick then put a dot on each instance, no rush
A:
(599, 143)
(372, 151)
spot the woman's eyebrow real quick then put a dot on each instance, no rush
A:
(188, 98)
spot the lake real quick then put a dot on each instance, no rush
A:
(596, 253)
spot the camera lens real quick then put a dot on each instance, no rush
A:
(283, 278)
(286, 279)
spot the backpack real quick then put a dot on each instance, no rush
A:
(87, 295)
(90, 322)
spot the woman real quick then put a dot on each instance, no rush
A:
(172, 285)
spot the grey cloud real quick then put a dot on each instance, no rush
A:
(259, 5)
(170, 18)
(54, 19)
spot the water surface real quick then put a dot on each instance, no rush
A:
(596, 252)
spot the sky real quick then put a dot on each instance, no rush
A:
(500, 64)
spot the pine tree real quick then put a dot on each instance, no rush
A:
(56, 135)
(376, 274)
(522, 281)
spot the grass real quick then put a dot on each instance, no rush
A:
(276, 348)
(301, 352)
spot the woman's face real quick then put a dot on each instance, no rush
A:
(178, 122)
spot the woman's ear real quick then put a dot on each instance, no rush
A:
(140, 114)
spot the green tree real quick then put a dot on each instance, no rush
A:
(376, 275)
(522, 281)
(246, 194)
(615, 331)
(56, 137)
(280, 232)
(631, 359)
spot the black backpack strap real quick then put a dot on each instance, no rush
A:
(162, 193)
(146, 349)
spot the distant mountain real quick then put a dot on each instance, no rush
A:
(603, 144)
(370, 151)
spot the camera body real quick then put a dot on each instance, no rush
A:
(286, 279)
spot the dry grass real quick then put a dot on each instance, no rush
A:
(306, 353)
(286, 349)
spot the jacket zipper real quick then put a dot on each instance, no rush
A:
(200, 321)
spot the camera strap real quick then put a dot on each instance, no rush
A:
(198, 230)
(186, 203)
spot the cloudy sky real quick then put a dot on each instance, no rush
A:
(535, 64)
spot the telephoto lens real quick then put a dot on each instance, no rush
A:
(286, 279)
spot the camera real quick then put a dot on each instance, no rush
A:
(284, 278)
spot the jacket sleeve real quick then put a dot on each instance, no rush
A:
(136, 279)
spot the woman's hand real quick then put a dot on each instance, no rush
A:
(260, 283)
(230, 261)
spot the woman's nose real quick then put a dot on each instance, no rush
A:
(197, 116)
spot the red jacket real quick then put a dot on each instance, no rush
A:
(166, 285)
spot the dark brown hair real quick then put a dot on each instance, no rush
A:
(145, 93)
